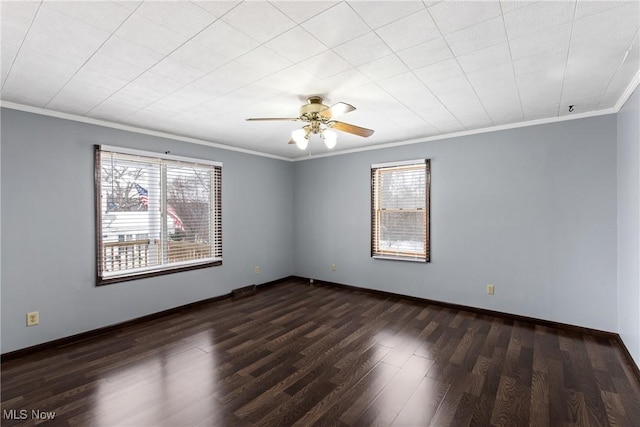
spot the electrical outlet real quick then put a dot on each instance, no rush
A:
(33, 318)
(256, 269)
(490, 289)
(333, 267)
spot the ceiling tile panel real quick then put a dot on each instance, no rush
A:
(32, 87)
(222, 39)
(555, 38)
(56, 65)
(16, 19)
(6, 61)
(92, 76)
(425, 54)
(383, 68)
(216, 8)
(539, 88)
(292, 80)
(12, 35)
(596, 28)
(106, 65)
(589, 7)
(177, 70)
(471, 114)
(539, 111)
(336, 25)
(346, 81)
(188, 97)
(134, 96)
(510, 5)
(144, 32)
(38, 43)
(378, 13)
(19, 12)
(296, 45)
(443, 120)
(538, 16)
(78, 97)
(363, 49)
(484, 58)
(300, 11)
(400, 82)
(423, 29)
(249, 68)
(493, 80)
(476, 37)
(199, 57)
(182, 18)
(417, 99)
(325, 64)
(130, 52)
(104, 15)
(68, 29)
(154, 84)
(112, 111)
(443, 70)
(552, 62)
(452, 91)
(456, 15)
(259, 20)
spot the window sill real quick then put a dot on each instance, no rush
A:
(399, 258)
(101, 281)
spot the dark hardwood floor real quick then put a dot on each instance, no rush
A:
(293, 354)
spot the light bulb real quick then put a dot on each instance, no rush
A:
(330, 138)
(301, 138)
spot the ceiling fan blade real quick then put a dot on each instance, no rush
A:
(256, 119)
(336, 110)
(346, 127)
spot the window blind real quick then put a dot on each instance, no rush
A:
(155, 214)
(400, 210)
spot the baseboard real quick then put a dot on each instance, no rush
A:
(631, 362)
(515, 317)
(84, 336)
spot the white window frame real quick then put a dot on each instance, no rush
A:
(376, 212)
(103, 276)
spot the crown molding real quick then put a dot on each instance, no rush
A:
(104, 123)
(468, 133)
(627, 92)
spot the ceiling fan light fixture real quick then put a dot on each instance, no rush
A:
(330, 138)
(301, 138)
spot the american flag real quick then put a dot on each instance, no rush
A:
(143, 193)
(144, 198)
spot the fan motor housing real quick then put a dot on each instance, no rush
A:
(314, 106)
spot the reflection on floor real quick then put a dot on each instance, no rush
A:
(293, 354)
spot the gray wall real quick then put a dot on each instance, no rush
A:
(531, 210)
(629, 224)
(48, 230)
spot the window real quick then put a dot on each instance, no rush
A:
(156, 214)
(400, 210)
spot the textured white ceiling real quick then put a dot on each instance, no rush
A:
(413, 69)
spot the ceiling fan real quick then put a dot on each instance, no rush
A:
(320, 121)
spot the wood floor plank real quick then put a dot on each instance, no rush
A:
(294, 354)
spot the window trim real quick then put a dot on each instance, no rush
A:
(141, 274)
(427, 230)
